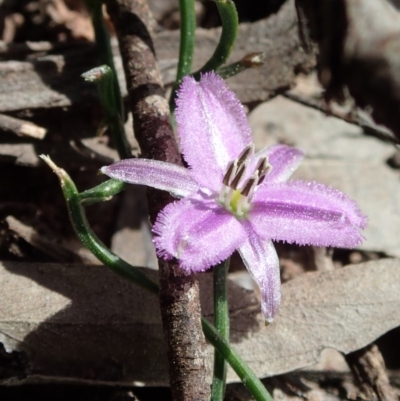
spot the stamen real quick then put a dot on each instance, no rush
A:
(247, 151)
(262, 163)
(249, 184)
(231, 170)
(261, 179)
(262, 167)
(228, 198)
(235, 182)
(234, 195)
(223, 193)
(267, 168)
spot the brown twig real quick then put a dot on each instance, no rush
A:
(179, 294)
(358, 53)
(351, 118)
(369, 370)
(21, 127)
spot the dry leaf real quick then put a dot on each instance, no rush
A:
(85, 322)
(344, 309)
(53, 80)
(359, 47)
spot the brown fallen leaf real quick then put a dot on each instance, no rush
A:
(132, 237)
(85, 322)
(359, 43)
(344, 309)
(22, 154)
(53, 80)
(49, 246)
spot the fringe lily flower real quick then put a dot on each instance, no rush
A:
(232, 198)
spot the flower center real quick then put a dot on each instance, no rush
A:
(237, 190)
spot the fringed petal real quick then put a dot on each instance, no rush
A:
(212, 127)
(284, 161)
(307, 213)
(199, 234)
(153, 173)
(261, 260)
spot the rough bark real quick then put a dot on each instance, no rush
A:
(368, 367)
(179, 294)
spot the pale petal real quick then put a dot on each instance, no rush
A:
(198, 233)
(212, 127)
(262, 262)
(307, 213)
(153, 173)
(283, 159)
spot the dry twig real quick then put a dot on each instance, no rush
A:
(179, 294)
(369, 369)
(21, 127)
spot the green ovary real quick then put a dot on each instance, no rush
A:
(234, 203)
(238, 205)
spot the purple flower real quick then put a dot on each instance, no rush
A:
(233, 198)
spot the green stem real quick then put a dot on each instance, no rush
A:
(249, 61)
(117, 130)
(221, 323)
(104, 46)
(84, 232)
(102, 192)
(104, 77)
(247, 376)
(188, 28)
(230, 22)
(92, 242)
